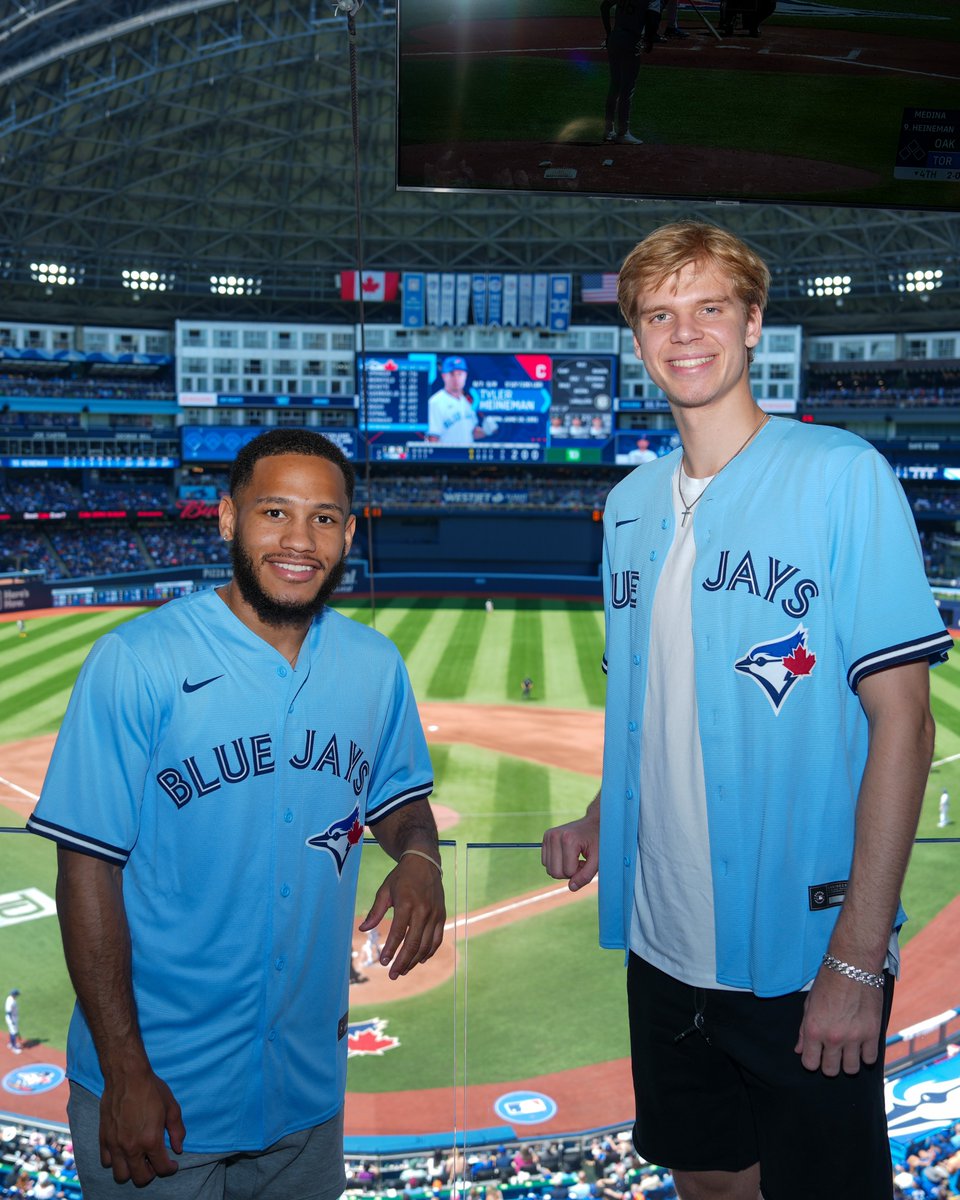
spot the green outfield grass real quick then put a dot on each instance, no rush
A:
(544, 971)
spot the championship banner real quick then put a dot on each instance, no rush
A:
(433, 299)
(525, 304)
(479, 299)
(448, 291)
(541, 284)
(561, 287)
(495, 299)
(414, 300)
(510, 289)
(463, 300)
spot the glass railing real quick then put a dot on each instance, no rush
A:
(513, 1035)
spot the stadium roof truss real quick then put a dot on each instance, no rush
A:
(198, 137)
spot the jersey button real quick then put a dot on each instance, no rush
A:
(272, 1035)
(287, 816)
(626, 861)
(280, 963)
(664, 523)
(282, 672)
(285, 890)
(632, 726)
(653, 555)
(636, 660)
(629, 793)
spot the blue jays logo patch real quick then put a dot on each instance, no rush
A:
(776, 666)
(925, 1100)
(339, 838)
(368, 1037)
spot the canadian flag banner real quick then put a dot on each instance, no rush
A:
(374, 285)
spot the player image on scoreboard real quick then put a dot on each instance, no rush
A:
(640, 446)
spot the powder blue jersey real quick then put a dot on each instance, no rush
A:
(808, 576)
(233, 789)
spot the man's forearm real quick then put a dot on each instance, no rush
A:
(888, 808)
(409, 828)
(96, 945)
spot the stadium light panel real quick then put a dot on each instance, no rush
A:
(142, 280)
(235, 285)
(922, 279)
(826, 285)
(58, 273)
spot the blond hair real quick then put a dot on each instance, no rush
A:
(672, 247)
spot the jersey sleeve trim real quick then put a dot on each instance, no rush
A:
(603, 664)
(80, 842)
(934, 647)
(400, 800)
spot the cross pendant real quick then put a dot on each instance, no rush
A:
(686, 513)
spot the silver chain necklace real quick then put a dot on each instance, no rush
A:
(688, 508)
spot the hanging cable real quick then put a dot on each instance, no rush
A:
(349, 9)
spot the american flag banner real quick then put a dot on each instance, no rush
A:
(599, 289)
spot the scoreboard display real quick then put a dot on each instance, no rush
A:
(476, 407)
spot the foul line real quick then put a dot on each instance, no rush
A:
(938, 762)
(16, 787)
(462, 922)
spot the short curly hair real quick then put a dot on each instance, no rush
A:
(672, 247)
(289, 441)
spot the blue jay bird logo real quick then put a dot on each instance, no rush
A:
(924, 1100)
(776, 666)
(338, 839)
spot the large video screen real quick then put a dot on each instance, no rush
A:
(740, 100)
(475, 407)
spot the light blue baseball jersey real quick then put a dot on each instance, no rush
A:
(233, 790)
(808, 576)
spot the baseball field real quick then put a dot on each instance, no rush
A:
(519, 997)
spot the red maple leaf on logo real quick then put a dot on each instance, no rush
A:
(800, 662)
(369, 284)
(355, 833)
(369, 1041)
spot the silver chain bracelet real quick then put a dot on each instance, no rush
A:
(851, 972)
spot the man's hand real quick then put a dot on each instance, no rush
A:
(841, 1025)
(414, 891)
(135, 1110)
(572, 851)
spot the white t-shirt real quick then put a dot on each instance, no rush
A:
(673, 921)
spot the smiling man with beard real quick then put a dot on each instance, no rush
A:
(208, 792)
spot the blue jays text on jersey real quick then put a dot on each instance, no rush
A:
(807, 577)
(202, 773)
(233, 789)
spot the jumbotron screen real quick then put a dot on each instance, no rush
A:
(495, 408)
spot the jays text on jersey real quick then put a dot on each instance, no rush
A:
(233, 790)
(808, 576)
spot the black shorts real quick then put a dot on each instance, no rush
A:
(733, 1092)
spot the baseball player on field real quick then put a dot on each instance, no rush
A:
(769, 632)
(208, 794)
(451, 417)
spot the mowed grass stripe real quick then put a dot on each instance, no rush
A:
(54, 653)
(587, 632)
(20, 655)
(425, 655)
(488, 682)
(526, 651)
(405, 625)
(451, 675)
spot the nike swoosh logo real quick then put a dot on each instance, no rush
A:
(195, 687)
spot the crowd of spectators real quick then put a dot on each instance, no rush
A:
(46, 493)
(906, 387)
(930, 1169)
(73, 386)
(104, 551)
(573, 492)
(189, 545)
(607, 1169)
(36, 1164)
